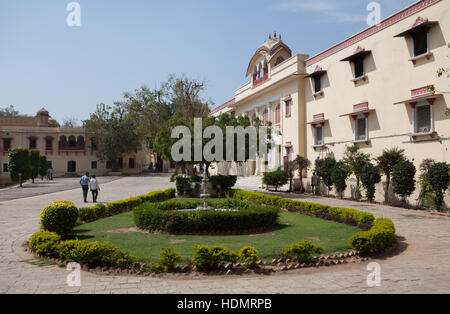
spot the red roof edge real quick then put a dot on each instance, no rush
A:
(227, 104)
(397, 17)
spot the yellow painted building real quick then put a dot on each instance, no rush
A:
(378, 89)
(68, 151)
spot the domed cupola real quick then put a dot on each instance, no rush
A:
(42, 113)
(42, 117)
(271, 53)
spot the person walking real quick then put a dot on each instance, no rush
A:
(95, 188)
(314, 181)
(84, 182)
(51, 173)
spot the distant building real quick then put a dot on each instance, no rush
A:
(69, 151)
(378, 89)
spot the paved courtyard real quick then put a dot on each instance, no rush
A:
(422, 266)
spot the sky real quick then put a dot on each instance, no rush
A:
(122, 45)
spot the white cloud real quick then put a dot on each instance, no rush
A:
(332, 11)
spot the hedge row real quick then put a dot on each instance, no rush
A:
(93, 254)
(88, 214)
(380, 236)
(304, 207)
(243, 217)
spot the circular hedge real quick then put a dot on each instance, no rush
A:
(241, 217)
(59, 217)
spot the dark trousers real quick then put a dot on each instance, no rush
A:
(85, 191)
(94, 195)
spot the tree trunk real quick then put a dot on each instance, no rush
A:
(386, 192)
(302, 189)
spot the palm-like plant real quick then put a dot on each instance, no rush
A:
(302, 164)
(387, 162)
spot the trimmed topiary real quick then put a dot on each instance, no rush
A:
(303, 251)
(238, 218)
(206, 258)
(95, 254)
(381, 236)
(403, 179)
(45, 243)
(276, 178)
(249, 256)
(59, 217)
(169, 259)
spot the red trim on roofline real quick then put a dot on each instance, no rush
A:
(228, 103)
(413, 9)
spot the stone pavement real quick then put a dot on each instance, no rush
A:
(421, 267)
(44, 187)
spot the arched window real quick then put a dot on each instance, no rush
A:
(277, 115)
(72, 141)
(265, 68)
(265, 117)
(279, 60)
(62, 141)
(80, 141)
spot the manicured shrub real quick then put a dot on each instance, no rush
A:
(386, 162)
(403, 179)
(381, 236)
(45, 243)
(59, 217)
(303, 251)
(249, 256)
(167, 217)
(19, 164)
(304, 207)
(326, 172)
(183, 185)
(34, 164)
(222, 184)
(94, 254)
(339, 177)
(276, 178)
(206, 258)
(43, 166)
(130, 203)
(169, 259)
(438, 178)
(370, 176)
(88, 214)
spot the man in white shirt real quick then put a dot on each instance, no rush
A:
(95, 188)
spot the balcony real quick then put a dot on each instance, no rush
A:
(261, 80)
(71, 149)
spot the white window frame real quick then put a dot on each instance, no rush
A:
(415, 118)
(359, 117)
(315, 135)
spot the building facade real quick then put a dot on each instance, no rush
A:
(69, 151)
(378, 89)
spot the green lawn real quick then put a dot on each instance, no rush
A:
(332, 236)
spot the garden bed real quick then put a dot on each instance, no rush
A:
(306, 230)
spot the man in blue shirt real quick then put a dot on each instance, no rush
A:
(84, 182)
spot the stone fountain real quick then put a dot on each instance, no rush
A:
(205, 194)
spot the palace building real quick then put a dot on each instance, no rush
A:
(378, 89)
(69, 152)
